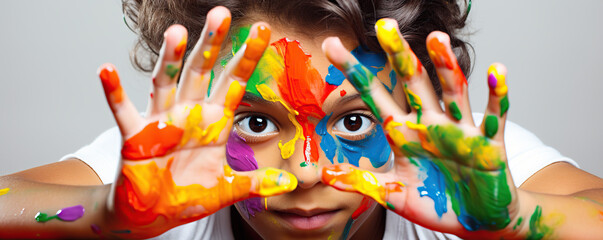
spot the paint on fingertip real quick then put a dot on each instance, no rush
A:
(504, 105)
(155, 140)
(4, 191)
(171, 70)
(180, 48)
(455, 111)
(497, 81)
(68, 214)
(491, 126)
(111, 83)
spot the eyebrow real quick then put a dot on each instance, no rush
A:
(254, 99)
(343, 100)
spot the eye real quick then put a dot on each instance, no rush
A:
(256, 125)
(353, 124)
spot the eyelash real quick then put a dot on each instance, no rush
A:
(356, 137)
(254, 138)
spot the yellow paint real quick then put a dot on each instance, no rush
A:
(233, 98)
(192, 127)
(4, 191)
(206, 54)
(361, 181)
(501, 88)
(266, 204)
(276, 181)
(170, 98)
(288, 148)
(394, 134)
(417, 100)
(399, 54)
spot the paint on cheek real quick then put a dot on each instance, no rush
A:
(4, 191)
(374, 147)
(68, 214)
(327, 143)
(155, 140)
(375, 62)
(111, 84)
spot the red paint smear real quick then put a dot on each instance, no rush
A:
(245, 104)
(342, 93)
(151, 95)
(180, 48)
(111, 83)
(151, 142)
(364, 205)
(302, 86)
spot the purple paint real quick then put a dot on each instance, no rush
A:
(240, 157)
(492, 81)
(95, 229)
(71, 213)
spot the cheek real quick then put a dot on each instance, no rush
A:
(239, 155)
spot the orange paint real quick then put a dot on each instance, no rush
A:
(216, 40)
(148, 191)
(180, 48)
(111, 84)
(438, 51)
(342, 93)
(302, 86)
(155, 140)
(253, 52)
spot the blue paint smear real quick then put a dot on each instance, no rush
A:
(434, 186)
(393, 81)
(373, 61)
(374, 146)
(469, 222)
(346, 229)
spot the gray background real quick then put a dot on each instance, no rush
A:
(52, 101)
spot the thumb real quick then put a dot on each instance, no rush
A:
(266, 182)
(346, 177)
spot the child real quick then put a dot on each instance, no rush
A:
(295, 105)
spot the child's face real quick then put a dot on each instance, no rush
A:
(299, 114)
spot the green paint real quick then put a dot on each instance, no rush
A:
(390, 206)
(455, 111)
(537, 229)
(519, 220)
(362, 78)
(303, 164)
(171, 70)
(504, 105)
(414, 101)
(413, 161)
(211, 81)
(475, 180)
(491, 126)
(43, 217)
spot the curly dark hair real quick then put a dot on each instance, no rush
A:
(416, 18)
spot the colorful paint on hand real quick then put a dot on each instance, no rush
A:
(180, 49)
(148, 191)
(362, 79)
(455, 111)
(155, 140)
(504, 105)
(438, 50)
(349, 178)
(374, 146)
(253, 52)
(403, 60)
(111, 84)
(496, 81)
(4, 191)
(68, 214)
(473, 172)
(414, 101)
(491, 126)
(241, 158)
(171, 70)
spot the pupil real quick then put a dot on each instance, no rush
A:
(257, 124)
(352, 122)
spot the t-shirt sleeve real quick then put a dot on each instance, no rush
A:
(526, 153)
(102, 155)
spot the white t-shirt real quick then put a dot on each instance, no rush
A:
(526, 155)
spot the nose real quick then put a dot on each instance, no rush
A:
(306, 162)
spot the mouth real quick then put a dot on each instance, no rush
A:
(306, 219)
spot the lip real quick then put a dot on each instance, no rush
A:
(306, 219)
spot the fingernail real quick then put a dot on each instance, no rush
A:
(276, 182)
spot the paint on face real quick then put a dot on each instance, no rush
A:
(491, 126)
(68, 214)
(241, 158)
(393, 79)
(342, 93)
(253, 52)
(111, 84)
(455, 111)
(478, 190)
(352, 179)
(442, 58)
(375, 62)
(4, 191)
(362, 78)
(96, 229)
(148, 191)
(373, 146)
(414, 101)
(155, 140)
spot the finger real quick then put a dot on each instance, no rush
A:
(408, 67)
(196, 74)
(240, 68)
(167, 70)
(454, 83)
(125, 113)
(498, 103)
(372, 92)
(267, 182)
(379, 186)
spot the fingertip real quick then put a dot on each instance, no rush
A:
(335, 51)
(109, 77)
(274, 181)
(497, 73)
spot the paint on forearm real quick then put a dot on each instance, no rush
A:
(374, 146)
(68, 214)
(155, 140)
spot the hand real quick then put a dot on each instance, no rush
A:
(173, 159)
(448, 175)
